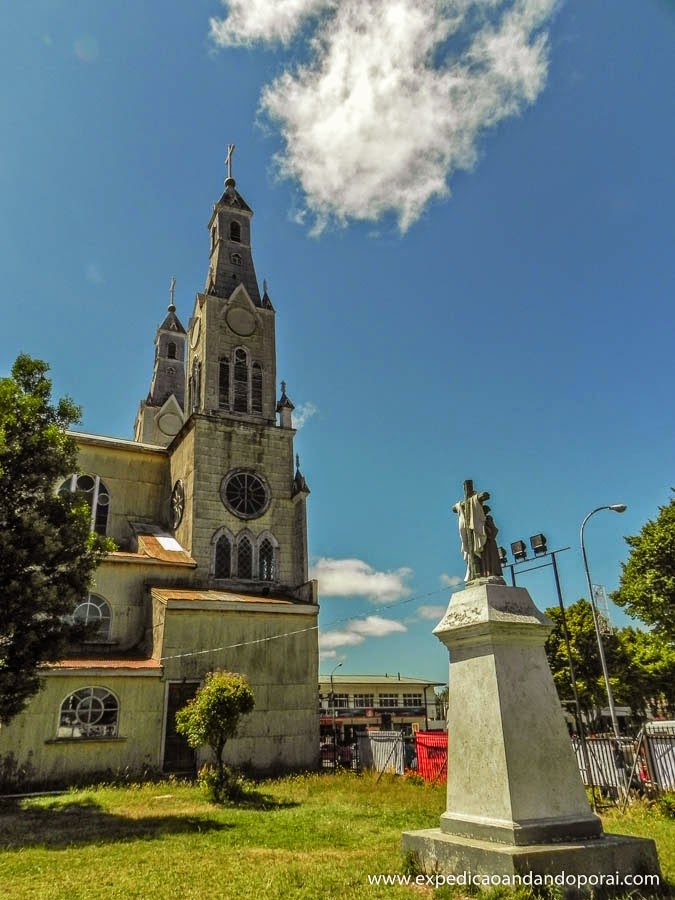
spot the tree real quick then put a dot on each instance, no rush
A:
(212, 717)
(641, 665)
(653, 669)
(647, 585)
(47, 554)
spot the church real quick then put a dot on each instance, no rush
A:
(207, 509)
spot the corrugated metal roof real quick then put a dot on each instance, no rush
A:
(184, 594)
(107, 662)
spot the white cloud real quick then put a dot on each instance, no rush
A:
(354, 577)
(302, 413)
(356, 632)
(450, 580)
(434, 613)
(248, 21)
(395, 95)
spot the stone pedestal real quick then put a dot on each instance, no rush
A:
(515, 800)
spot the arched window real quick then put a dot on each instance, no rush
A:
(213, 236)
(89, 713)
(171, 350)
(222, 566)
(95, 493)
(266, 562)
(240, 380)
(195, 383)
(224, 383)
(256, 388)
(95, 611)
(235, 232)
(244, 558)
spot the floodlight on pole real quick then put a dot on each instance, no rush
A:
(619, 508)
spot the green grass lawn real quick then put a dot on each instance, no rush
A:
(309, 836)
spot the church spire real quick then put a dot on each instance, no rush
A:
(162, 413)
(230, 259)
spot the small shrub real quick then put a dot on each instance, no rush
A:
(413, 777)
(666, 804)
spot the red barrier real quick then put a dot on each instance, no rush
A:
(431, 748)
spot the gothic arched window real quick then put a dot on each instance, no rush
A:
(244, 558)
(256, 388)
(171, 350)
(224, 383)
(89, 713)
(95, 611)
(95, 493)
(266, 562)
(235, 232)
(222, 566)
(240, 380)
(195, 383)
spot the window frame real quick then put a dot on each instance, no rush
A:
(98, 491)
(94, 691)
(91, 601)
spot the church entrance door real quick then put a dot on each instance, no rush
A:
(178, 755)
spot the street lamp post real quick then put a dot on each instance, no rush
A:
(332, 702)
(615, 507)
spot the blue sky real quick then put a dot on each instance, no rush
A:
(465, 216)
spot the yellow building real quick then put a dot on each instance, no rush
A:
(207, 508)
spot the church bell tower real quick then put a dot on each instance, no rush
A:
(243, 499)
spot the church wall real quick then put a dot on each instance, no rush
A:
(31, 736)
(283, 730)
(223, 446)
(137, 482)
(123, 586)
(182, 467)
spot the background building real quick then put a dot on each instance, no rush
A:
(376, 703)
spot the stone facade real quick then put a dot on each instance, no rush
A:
(208, 513)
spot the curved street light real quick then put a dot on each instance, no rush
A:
(619, 508)
(332, 701)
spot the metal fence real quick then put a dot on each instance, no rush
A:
(644, 765)
(640, 766)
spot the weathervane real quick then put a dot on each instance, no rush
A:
(172, 288)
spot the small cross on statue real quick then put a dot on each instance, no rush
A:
(478, 535)
(228, 159)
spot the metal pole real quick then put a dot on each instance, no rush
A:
(573, 679)
(603, 662)
(332, 698)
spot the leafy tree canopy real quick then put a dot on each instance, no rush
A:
(212, 718)
(47, 554)
(641, 664)
(647, 585)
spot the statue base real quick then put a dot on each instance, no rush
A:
(515, 800)
(573, 868)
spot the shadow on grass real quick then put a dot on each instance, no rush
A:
(68, 823)
(251, 798)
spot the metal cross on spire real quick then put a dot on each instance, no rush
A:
(228, 159)
(172, 289)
